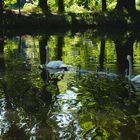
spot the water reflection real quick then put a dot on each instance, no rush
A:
(78, 104)
(65, 113)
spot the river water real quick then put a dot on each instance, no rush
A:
(81, 103)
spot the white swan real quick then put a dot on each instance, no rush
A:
(101, 73)
(56, 64)
(111, 76)
(55, 67)
(135, 79)
(80, 71)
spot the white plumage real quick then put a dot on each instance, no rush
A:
(135, 79)
(54, 64)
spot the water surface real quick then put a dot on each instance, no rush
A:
(38, 105)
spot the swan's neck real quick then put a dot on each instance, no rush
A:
(130, 69)
(47, 54)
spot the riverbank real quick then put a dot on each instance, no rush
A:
(113, 19)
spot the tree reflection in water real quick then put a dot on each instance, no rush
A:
(23, 113)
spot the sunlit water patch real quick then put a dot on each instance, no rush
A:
(4, 125)
(64, 115)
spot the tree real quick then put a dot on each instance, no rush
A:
(44, 6)
(2, 62)
(103, 5)
(102, 53)
(18, 2)
(60, 6)
(1, 6)
(43, 43)
(124, 46)
(129, 5)
(60, 43)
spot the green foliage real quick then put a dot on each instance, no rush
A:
(111, 4)
(9, 2)
(53, 5)
(76, 8)
(137, 4)
(31, 8)
(52, 47)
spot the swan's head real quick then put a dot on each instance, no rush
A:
(106, 69)
(128, 57)
(126, 73)
(97, 68)
(65, 67)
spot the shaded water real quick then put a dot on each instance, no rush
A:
(37, 104)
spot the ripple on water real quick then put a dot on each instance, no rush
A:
(69, 95)
(64, 115)
(4, 125)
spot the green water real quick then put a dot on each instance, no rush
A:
(78, 104)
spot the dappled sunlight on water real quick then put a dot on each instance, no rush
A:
(65, 115)
(4, 124)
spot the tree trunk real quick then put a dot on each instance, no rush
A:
(123, 48)
(1, 6)
(60, 6)
(44, 6)
(43, 46)
(44, 58)
(119, 5)
(103, 5)
(18, 1)
(2, 62)
(102, 54)
(129, 5)
(60, 46)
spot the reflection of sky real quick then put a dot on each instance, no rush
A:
(65, 112)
